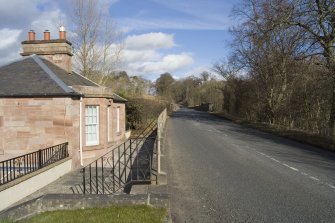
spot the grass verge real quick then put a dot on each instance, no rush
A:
(120, 214)
(326, 143)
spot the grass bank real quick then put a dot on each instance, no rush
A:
(119, 214)
(326, 143)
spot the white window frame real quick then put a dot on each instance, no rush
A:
(94, 125)
(118, 119)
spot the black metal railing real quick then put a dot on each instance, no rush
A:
(123, 166)
(14, 168)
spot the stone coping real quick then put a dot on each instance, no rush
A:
(93, 91)
(46, 41)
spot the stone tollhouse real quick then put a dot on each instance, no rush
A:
(43, 102)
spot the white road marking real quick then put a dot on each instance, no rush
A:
(314, 178)
(295, 169)
(286, 165)
(275, 160)
(331, 186)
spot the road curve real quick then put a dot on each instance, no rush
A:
(219, 171)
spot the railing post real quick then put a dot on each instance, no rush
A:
(90, 179)
(84, 185)
(119, 162)
(131, 162)
(102, 176)
(125, 163)
(96, 177)
(7, 172)
(66, 151)
(39, 159)
(113, 172)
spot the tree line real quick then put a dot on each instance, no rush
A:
(281, 70)
(286, 49)
(191, 91)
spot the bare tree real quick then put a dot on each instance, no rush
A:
(316, 19)
(227, 70)
(97, 43)
(286, 49)
(320, 25)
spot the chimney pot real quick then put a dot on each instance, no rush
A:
(31, 35)
(62, 32)
(46, 35)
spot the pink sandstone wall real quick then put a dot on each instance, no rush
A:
(118, 136)
(90, 153)
(30, 124)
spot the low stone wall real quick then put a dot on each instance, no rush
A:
(52, 202)
(22, 187)
(160, 128)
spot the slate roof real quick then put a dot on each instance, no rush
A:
(35, 76)
(69, 79)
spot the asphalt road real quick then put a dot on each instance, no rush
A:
(219, 171)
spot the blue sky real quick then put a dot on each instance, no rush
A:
(183, 37)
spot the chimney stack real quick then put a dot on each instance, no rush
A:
(62, 32)
(57, 51)
(46, 35)
(31, 35)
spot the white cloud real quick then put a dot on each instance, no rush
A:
(17, 12)
(9, 45)
(168, 63)
(131, 56)
(18, 17)
(8, 37)
(150, 41)
(48, 20)
(10, 56)
(148, 54)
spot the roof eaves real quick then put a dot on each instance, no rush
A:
(118, 98)
(39, 95)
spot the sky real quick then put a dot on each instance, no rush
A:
(182, 37)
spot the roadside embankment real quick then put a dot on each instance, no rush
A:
(323, 142)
